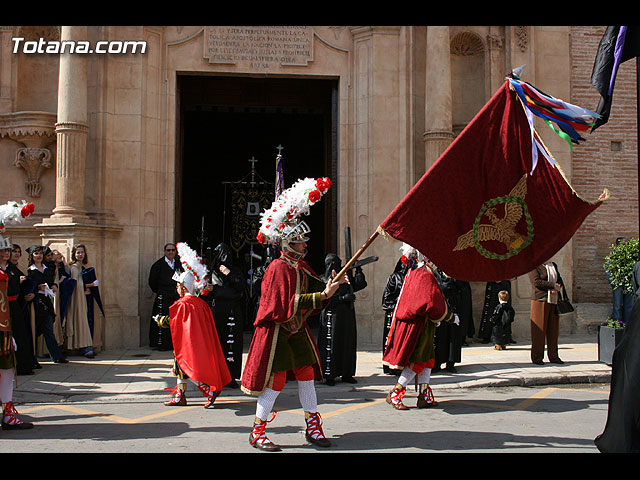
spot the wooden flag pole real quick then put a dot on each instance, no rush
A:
(357, 255)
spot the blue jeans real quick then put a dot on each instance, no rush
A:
(622, 305)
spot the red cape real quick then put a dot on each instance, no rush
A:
(277, 305)
(195, 342)
(420, 300)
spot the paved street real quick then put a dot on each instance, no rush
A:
(500, 419)
(497, 402)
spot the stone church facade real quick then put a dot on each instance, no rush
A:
(97, 141)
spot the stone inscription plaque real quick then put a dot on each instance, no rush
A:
(258, 47)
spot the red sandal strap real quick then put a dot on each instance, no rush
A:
(176, 392)
(205, 389)
(9, 415)
(258, 431)
(314, 426)
(397, 394)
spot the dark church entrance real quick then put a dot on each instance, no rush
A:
(230, 131)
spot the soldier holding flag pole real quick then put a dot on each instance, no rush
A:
(282, 346)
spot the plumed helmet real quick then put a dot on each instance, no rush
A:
(194, 276)
(281, 223)
(187, 279)
(5, 243)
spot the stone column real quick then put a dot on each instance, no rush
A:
(438, 116)
(71, 132)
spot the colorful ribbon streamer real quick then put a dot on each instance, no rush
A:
(570, 119)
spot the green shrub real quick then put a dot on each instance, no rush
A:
(620, 262)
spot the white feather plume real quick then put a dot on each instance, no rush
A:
(408, 251)
(14, 212)
(290, 204)
(192, 263)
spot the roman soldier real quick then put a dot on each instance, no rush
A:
(198, 355)
(282, 347)
(420, 308)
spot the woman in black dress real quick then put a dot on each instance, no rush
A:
(44, 280)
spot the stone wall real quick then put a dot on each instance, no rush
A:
(608, 159)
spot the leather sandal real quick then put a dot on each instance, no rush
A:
(426, 399)
(394, 398)
(258, 439)
(10, 421)
(314, 433)
(179, 399)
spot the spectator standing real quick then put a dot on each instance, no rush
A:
(164, 287)
(58, 272)
(43, 279)
(19, 325)
(490, 303)
(545, 324)
(7, 349)
(78, 329)
(501, 319)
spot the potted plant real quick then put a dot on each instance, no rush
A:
(618, 266)
(609, 335)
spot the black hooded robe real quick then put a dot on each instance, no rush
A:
(337, 334)
(449, 336)
(389, 300)
(622, 430)
(227, 300)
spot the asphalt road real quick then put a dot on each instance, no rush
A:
(543, 419)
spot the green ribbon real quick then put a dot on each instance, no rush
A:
(560, 133)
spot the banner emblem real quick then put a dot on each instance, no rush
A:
(501, 229)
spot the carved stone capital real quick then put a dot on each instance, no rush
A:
(33, 160)
(35, 131)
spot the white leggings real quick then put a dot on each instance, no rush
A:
(6, 385)
(306, 393)
(407, 375)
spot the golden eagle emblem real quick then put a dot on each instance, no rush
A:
(501, 229)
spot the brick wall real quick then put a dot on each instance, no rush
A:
(608, 159)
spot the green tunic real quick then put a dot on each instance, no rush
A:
(293, 348)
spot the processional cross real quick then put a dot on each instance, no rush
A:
(253, 161)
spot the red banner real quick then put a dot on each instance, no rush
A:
(480, 213)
